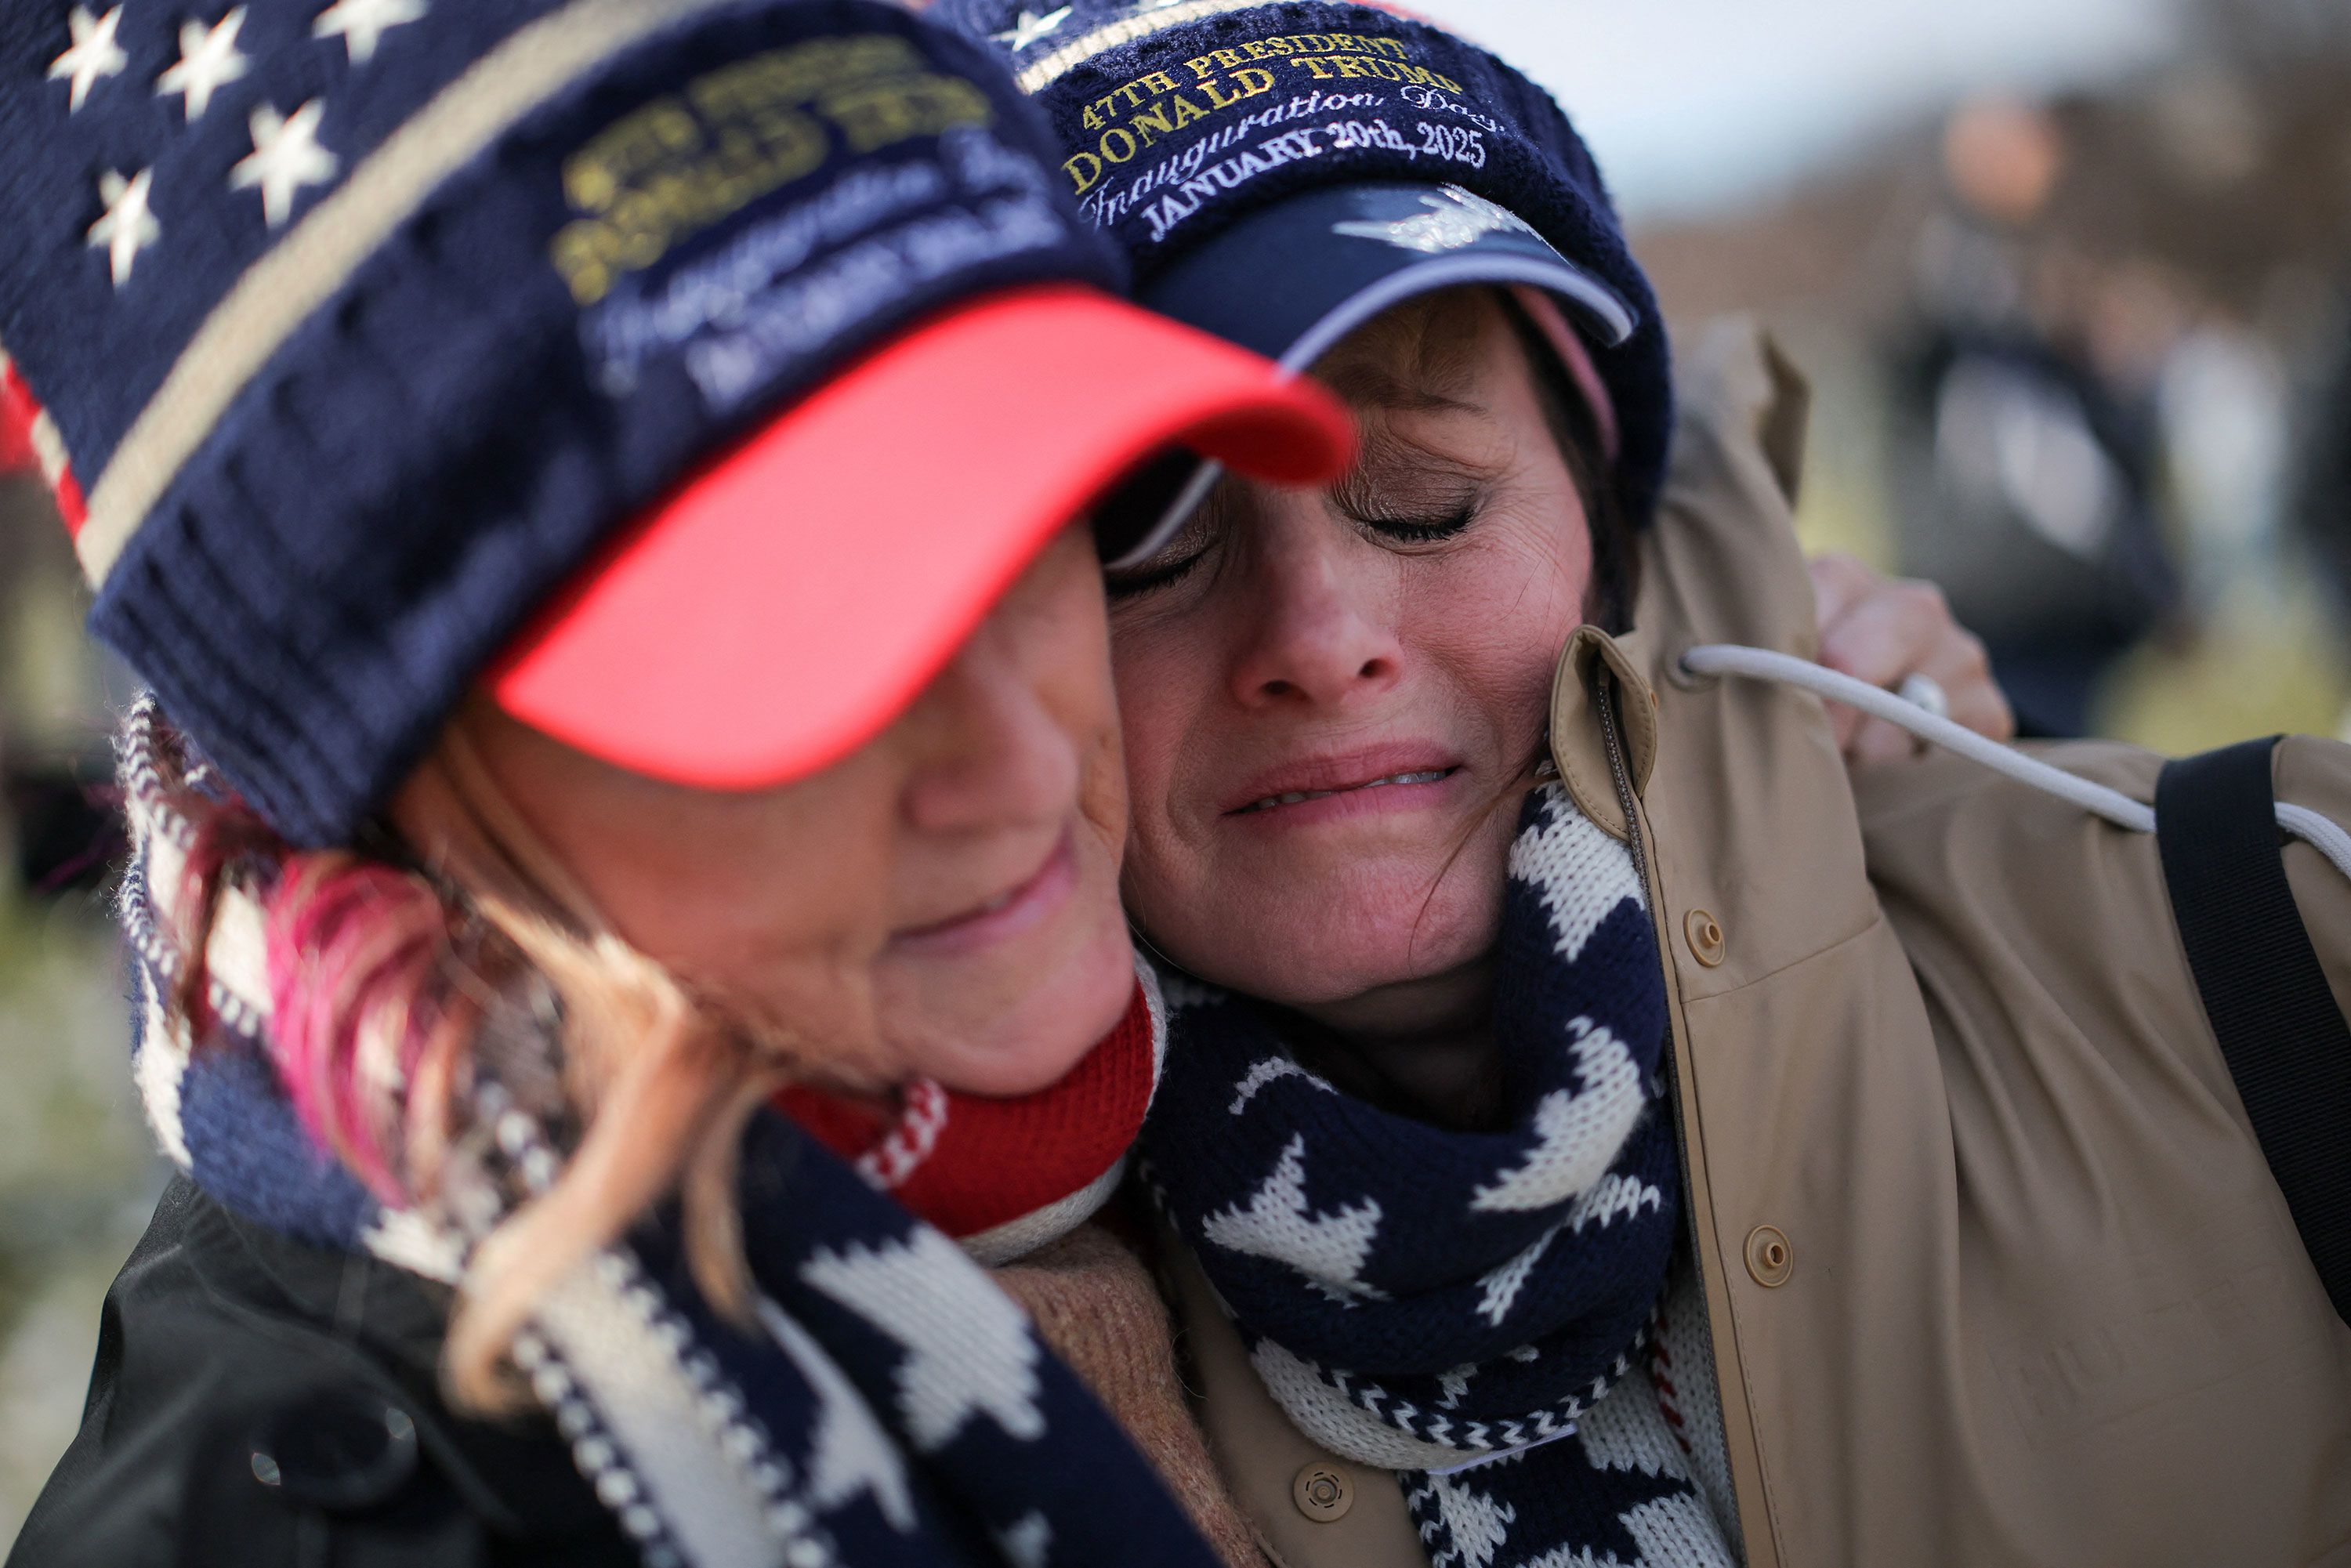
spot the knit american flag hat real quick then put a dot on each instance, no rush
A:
(694, 373)
(1280, 172)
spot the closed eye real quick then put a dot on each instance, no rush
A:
(1423, 531)
(1157, 573)
(1407, 492)
(1181, 556)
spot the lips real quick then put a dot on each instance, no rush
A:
(1319, 778)
(1017, 908)
(1299, 796)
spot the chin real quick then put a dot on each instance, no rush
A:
(1033, 1038)
(1324, 941)
(1319, 975)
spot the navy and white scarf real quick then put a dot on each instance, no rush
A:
(894, 1409)
(1470, 1309)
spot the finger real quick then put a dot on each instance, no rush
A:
(1975, 703)
(1878, 741)
(1845, 722)
(1960, 665)
(1837, 581)
(1896, 629)
(1979, 704)
(1988, 714)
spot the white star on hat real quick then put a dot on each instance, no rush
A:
(361, 24)
(285, 157)
(209, 60)
(94, 54)
(127, 227)
(1032, 27)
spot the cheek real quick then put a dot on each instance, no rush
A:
(726, 891)
(1164, 670)
(1494, 617)
(748, 899)
(1066, 659)
(782, 923)
(734, 896)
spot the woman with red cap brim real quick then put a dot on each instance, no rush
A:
(597, 491)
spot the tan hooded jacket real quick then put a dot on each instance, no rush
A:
(1995, 1273)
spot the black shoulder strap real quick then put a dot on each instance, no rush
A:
(2283, 1035)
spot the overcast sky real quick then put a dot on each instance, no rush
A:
(1691, 104)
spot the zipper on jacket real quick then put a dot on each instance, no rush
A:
(1605, 687)
(1604, 683)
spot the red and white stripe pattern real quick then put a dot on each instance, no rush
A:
(923, 1116)
(26, 427)
(1005, 1176)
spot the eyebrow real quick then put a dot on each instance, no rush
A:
(1394, 468)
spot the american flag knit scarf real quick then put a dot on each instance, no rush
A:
(892, 1405)
(1469, 1309)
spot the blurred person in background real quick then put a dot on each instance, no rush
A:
(2031, 479)
(2323, 501)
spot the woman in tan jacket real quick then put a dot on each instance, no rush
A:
(1976, 1232)
(1964, 1249)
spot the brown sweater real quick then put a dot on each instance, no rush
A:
(1096, 1303)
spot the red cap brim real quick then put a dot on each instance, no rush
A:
(788, 601)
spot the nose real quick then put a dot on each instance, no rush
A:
(1320, 627)
(991, 753)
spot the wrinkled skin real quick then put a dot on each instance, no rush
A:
(1407, 621)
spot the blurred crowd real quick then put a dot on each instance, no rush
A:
(2085, 361)
(2121, 409)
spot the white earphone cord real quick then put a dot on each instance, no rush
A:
(2328, 837)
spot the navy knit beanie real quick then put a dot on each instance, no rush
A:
(313, 299)
(1184, 122)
